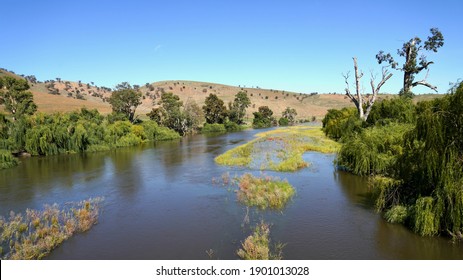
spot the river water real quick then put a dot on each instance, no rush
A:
(161, 202)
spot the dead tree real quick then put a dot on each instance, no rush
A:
(358, 99)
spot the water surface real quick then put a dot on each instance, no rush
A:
(161, 203)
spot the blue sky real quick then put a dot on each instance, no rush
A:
(302, 46)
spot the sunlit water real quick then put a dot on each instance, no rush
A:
(161, 203)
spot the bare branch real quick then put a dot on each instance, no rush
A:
(424, 83)
(375, 90)
(357, 87)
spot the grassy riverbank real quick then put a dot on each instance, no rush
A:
(280, 149)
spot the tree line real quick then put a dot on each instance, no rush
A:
(25, 131)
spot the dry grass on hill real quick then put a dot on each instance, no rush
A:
(74, 95)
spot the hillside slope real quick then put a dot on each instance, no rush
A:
(63, 96)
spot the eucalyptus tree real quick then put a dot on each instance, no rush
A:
(415, 60)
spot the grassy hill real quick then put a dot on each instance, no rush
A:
(62, 96)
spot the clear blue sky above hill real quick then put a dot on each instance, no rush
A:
(301, 46)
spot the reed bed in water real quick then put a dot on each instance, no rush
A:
(36, 233)
(280, 149)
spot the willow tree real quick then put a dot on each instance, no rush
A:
(415, 61)
(358, 99)
(430, 170)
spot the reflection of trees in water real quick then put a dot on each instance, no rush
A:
(398, 242)
(355, 188)
(392, 240)
(127, 170)
(39, 176)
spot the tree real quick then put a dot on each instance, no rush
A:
(290, 114)
(14, 95)
(192, 116)
(263, 117)
(414, 65)
(125, 100)
(214, 109)
(170, 111)
(238, 107)
(358, 98)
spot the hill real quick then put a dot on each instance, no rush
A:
(63, 96)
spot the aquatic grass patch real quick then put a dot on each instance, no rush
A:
(257, 245)
(280, 149)
(36, 233)
(265, 192)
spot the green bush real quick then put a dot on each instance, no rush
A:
(398, 109)
(283, 122)
(397, 214)
(373, 151)
(213, 128)
(341, 123)
(232, 126)
(7, 160)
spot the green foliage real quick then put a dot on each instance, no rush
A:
(341, 123)
(423, 158)
(171, 114)
(237, 109)
(432, 162)
(7, 160)
(290, 115)
(214, 110)
(283, 121)
(374, 150)
(266, 192)
(263, 118)
(232, 126)
(154, 132)
(400, 110)
(414, 61)
(279, 150)
(397, 214)
(125, 100)
(79, 131)
(15, 97)
(425, 217)
(213, 128)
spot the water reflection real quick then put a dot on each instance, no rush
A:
(160, 203)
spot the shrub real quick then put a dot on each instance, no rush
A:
(399, 109)
(397, 214)
(339, 123)
(214, 127)
(232, 126)
(7, 160)
(373, 151)
(283, 122)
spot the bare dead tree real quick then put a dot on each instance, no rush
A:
(358, 99)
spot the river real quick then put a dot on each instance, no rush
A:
(160, 202)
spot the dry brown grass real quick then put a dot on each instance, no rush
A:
(35, 234)
(277, 100)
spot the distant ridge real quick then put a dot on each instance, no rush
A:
(63, 96)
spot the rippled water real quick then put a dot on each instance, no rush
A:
(161, 203)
